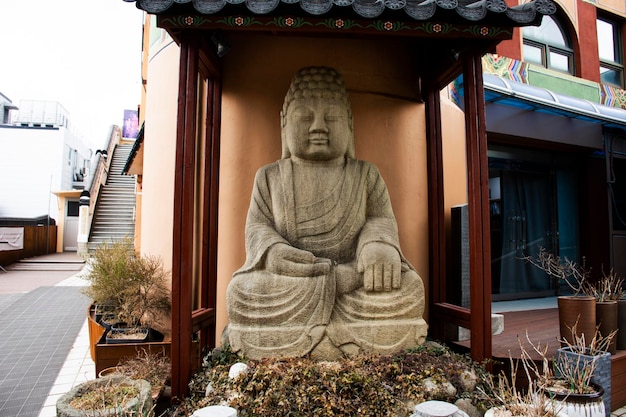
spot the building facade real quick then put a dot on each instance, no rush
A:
(43, 166)
(556, 125)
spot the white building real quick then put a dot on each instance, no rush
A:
(41, 158)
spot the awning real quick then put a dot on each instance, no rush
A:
(520, 110)
(527, 97)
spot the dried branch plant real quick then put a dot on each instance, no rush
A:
(574, 275)
(510, 401)
(577, 370)
(570, 375)
(609, 288)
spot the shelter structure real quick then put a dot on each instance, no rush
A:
(235, 60)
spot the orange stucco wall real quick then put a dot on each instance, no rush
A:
(390, 131)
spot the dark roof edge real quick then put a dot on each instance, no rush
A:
(470, 11)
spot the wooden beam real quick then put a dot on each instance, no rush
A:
(478, 207)
(182, 256)
(436, 208)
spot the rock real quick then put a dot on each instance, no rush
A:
(434, 389)
(237, 369)
(467, 407)
(468, 380)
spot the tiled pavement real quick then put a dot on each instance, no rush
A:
(39, 324)
(37, 374)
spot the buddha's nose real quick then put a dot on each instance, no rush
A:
(318, 125)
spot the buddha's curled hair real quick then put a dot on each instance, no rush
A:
(322, 82)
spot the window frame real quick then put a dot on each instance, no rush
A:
(618, 65)
(547, 48)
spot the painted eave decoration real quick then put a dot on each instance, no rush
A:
(488, 12)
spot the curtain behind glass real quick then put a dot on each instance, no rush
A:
(527, 219)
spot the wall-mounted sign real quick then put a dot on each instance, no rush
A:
(11, 238)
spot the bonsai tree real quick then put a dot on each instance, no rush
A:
(134, 286)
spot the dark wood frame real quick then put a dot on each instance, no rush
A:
(478, 317)
(196, 59)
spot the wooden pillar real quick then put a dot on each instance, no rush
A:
(182, 256)
(436, 208)
(478, 207)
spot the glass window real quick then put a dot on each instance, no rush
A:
(548, 45)
(610, 52)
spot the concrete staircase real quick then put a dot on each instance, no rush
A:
(114, 216)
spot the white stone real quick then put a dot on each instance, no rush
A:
(237, 369)
(215, 411)
(436, 409)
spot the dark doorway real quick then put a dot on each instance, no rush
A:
(533, 205)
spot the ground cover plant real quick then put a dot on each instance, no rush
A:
(363, 385)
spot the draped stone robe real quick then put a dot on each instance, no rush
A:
(277, 315)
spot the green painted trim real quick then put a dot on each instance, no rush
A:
(336, 24)
(564, 84)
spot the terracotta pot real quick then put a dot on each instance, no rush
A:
(621, 323)
(581, 309)
(606, 319)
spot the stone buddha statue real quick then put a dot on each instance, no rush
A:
(324, 274)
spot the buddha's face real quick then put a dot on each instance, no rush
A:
(317, 129)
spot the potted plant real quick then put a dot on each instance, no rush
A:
(506, 400)
(584, 364)
(134, 287)
(607, 291)
(555, 386)
(114, 395)
(578, 309)
(153, 367)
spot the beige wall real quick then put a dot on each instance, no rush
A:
(455, 159)
(159, 153)
(389, 130)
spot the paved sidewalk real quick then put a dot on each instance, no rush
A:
(39, 323)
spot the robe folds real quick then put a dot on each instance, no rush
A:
(277, 315)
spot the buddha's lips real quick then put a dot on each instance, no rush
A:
(318, 141)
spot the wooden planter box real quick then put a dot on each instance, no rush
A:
(95, 331)
(108, 355)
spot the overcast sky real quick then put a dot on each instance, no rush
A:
(85, 54)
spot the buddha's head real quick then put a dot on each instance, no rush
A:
(316, 120)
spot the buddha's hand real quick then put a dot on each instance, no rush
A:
(286, 260)
(381, 267)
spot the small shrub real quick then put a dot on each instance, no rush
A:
(362, 385)
(134, 286)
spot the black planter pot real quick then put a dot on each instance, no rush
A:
(107, 320)
(118, 335)
(100, 310)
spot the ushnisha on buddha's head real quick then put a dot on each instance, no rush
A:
(316, 119)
